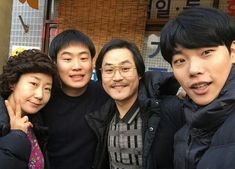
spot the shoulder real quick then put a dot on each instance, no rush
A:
(160, 83)
(104, 111)
(95, 88)
(171, 104)
(103, 115)
(223, 142)
(16, 144)
(94, 84)
(224, 134)
(4, 118)
(171, 108)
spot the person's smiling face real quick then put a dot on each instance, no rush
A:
(74, 64)
(123, 85)
(32, 92)
(202, 72)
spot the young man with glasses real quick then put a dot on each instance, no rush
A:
(133, 129)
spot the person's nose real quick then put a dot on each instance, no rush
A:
(196, 66)
(76, 65)
(39, 93)
(117, 75)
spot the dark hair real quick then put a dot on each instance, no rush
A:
(195, 28)
(28, 61)
(67, 38)
(116, 44)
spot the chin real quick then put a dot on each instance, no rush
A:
(32, 111)
(119, 99)
(202, 102)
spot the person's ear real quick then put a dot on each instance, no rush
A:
(12, 87)
(232, 51)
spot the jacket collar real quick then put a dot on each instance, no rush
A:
(214, 114)
(4, 118)
(103, 116)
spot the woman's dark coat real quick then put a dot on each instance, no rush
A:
(15, 147)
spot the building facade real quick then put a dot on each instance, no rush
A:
(139, 21)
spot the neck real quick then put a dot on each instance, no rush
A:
(11, 102)
(125, 105)
(74, 92)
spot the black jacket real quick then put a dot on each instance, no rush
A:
(207, 141)
(156, 84)
(15, 147)
(161, 116)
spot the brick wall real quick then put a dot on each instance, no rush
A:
(103, 20)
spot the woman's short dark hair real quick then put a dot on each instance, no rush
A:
(28, 61)
(195, 28)
(116, 44)
(68, 37)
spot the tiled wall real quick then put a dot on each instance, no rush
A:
(31, 17)
(152, 54)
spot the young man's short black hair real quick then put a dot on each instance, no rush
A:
(116, 44)
(195, 28)
(68, 37)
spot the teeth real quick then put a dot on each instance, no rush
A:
(200, 85)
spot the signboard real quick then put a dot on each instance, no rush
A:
(32, 3)
(160, 11)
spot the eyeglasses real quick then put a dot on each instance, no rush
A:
(125, 71)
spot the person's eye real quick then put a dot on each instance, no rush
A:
(33, 84)
(48, 89)
(207, 52)
(84, 59)
(108, 70)
(66, 59)
(178, 62)
(125, 69)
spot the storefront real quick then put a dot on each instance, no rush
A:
(139, 21)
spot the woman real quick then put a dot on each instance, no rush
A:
(25, 85)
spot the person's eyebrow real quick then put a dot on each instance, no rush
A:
(37, 78)
(176, 52)
(69, 53)
(121, 63)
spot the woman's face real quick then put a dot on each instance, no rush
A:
(31, 92)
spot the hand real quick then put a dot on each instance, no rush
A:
(181, 93)
(16, 121)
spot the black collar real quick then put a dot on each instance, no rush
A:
(130, 115)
